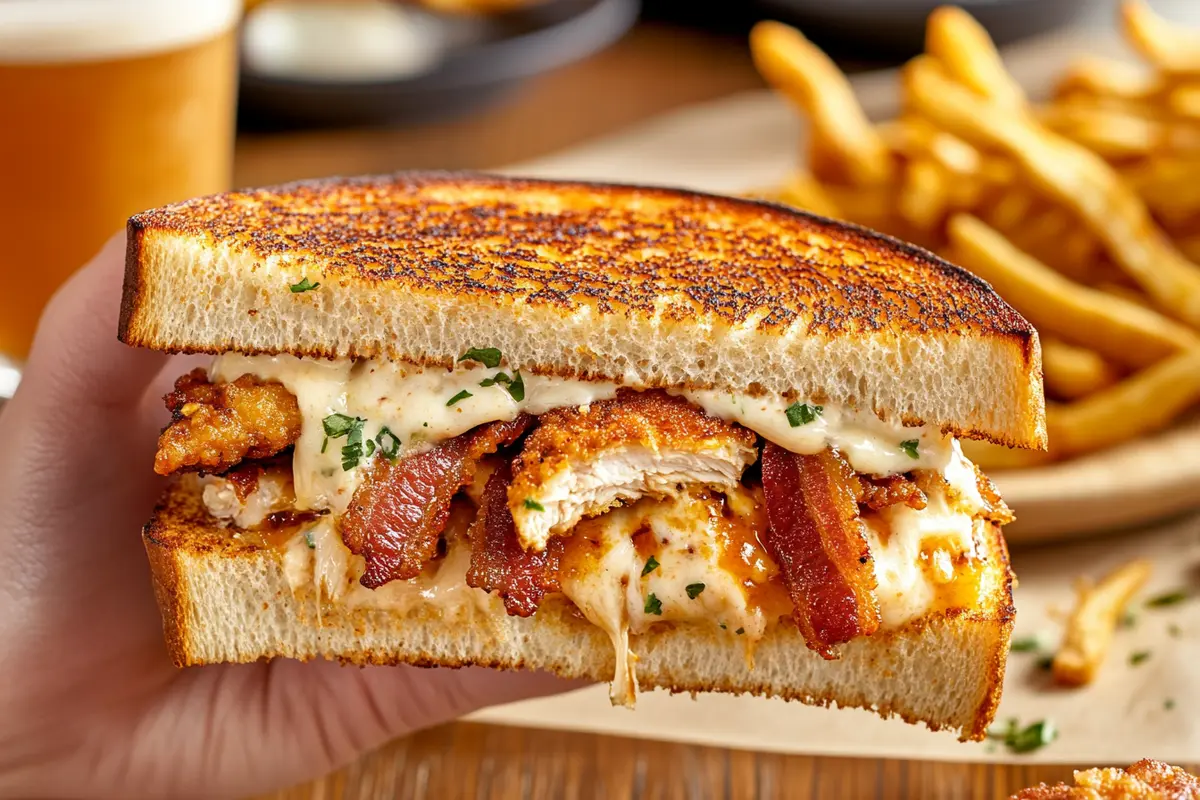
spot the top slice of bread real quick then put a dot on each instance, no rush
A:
(646, 286)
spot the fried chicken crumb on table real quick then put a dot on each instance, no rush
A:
(1145, 780)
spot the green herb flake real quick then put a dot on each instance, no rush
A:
(324, 444)
(303, 286)
(1174, 631)
(1169, 704)
(463, 395)
(389, 443)
(1027, 644)
(802, 413)
(909, 446)
(1046, 663)
(308, 540)
(651, 565)
(1140, 657)
(1024, 740)
(723, 627)
(1168, 599)
(653, 605)
(534, 505)
(517, 387)
(694, 590)
(336, 425)
(740, 631)
(488, 356)
(1128, 619)
(370, 447)
(499, 377)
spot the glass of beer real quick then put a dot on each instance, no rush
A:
(107, 108)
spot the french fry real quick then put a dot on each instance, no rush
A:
(1168, 47)
(1072, 372)
(804, 191)
(801, 71)
(1184, 101)
(1089, 632)
(872, 207)
(923, 194)
(1125, 293)
(1072, 175)
(1092, 76)
(1012, 209)
(960, 43)
(1141, 404)
(1121, 331)
(1106, 132)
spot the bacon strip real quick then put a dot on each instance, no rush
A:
(818, 541)
(397, 515)
(499, 563)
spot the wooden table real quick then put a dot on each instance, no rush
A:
(653, 70)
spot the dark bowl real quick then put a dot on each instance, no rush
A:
(508, 49)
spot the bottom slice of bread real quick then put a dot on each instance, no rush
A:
(225, 600)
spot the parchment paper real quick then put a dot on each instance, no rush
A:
(750, 141)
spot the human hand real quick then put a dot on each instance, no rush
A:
(90, 705)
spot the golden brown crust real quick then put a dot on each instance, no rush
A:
(612, 249)
(182, 533)
(1145, 780)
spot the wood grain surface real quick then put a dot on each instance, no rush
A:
(654, 69)
(489, 762)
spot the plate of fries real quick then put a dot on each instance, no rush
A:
(1082, 209)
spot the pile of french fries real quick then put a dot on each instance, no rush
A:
(1084, 214)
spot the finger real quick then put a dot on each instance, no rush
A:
(77, 369)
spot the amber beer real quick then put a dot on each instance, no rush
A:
(107, 107)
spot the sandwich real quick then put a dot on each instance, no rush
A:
(649, 436)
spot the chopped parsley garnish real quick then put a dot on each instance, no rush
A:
(1169, 704)
(370, 447)
(740, 631)
(516, 387)
(463, 395)
(389, 443)
(1024, 740)
(534, 505)
(1140, 657)
(909, 446)
(488, 356)
(308, 540)
(802, 413)
(1174, 631)
(338, 425)
(303, 286)
(651, 565)
(694, 590)
(1128, 619)
(1028, 644)
(653, 605)
(499, 377)
(1046, 662)
(324, 444)
(1168, 599)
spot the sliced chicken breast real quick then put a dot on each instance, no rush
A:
(582, 461)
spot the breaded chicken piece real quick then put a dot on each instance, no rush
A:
(582, 461)
(1145, 780)
(216, 425)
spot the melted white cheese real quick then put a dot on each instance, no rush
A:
(613, 593)
(412, 402)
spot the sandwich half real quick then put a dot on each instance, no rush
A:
(650, 436)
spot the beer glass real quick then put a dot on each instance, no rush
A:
(107, 107)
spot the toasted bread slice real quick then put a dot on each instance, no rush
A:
(223, 599)
(650, 287)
